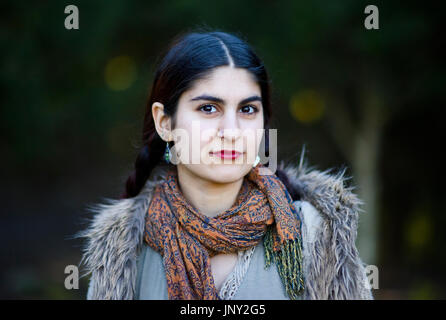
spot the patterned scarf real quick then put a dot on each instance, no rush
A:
(186, 239)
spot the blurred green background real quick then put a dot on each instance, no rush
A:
(72, 105)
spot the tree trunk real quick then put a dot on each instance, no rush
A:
(366, 172)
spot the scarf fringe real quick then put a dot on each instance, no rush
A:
(288, 261)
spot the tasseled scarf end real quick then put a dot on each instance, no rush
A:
(288, 261)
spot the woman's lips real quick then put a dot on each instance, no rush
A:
(227, 154)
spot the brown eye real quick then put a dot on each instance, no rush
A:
(207, 108)
(249, 109)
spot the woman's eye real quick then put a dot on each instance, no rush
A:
(249, 109)
(207, 108)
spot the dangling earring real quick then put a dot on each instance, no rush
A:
(167, 154)
(256, 162)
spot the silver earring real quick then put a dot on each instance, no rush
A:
(256, 162)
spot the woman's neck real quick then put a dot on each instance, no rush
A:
(207, 197)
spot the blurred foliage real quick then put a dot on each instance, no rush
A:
(72, 103)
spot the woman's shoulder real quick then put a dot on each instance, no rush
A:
(324, 194)
(311, 219)
(329, 209)
(112, 240)
(110, 217)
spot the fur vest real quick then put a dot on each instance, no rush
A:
(332, 266)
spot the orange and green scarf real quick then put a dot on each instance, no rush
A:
(186, 239)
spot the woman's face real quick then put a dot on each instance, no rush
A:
(222, 112)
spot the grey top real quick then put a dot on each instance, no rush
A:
(256, 283)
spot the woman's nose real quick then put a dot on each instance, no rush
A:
(229, 128)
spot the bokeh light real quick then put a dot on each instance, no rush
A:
(307, 106)
(120, 73)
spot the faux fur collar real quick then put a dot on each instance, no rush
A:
(333, 269)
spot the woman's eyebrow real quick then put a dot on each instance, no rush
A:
(220, 100)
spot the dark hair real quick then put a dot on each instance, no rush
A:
(191, 57)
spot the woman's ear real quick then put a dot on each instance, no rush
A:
(162, 121)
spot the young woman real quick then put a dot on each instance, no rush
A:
(200, 218)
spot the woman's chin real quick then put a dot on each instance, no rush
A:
(222, 173)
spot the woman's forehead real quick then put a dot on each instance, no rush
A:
(229, 84)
